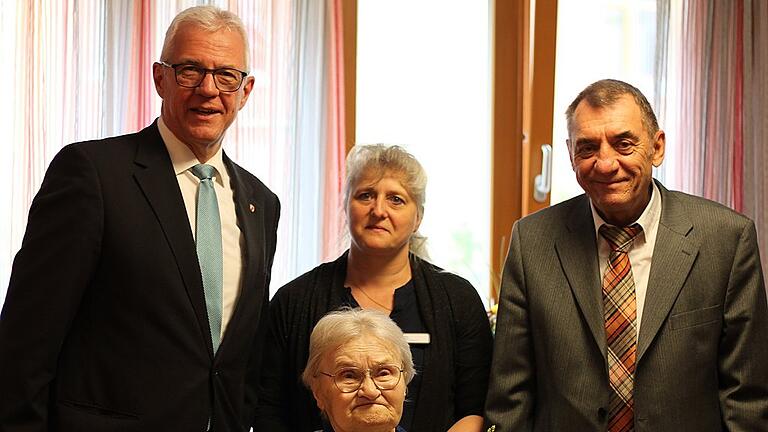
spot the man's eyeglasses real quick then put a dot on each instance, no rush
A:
(190, 76)
(350, 379)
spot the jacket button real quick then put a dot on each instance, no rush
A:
(602, 413)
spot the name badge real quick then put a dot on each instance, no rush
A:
(417, 338)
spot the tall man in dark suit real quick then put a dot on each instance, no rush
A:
(630, 308)
(137, 299)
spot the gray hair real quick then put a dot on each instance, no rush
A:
(604, 93)
(339, 327)
(381, 159)
(208, 18)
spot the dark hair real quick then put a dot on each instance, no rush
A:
(604, 93)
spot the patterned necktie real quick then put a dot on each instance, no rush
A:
(209, 253)
(620, 330)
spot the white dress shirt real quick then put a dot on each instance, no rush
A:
(641, 252)
(232, 239)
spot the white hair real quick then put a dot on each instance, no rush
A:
(208, 18)
(339, 327)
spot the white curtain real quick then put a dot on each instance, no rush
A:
(81, 70)
(280, 134)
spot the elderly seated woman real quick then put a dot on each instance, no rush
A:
(358, 370)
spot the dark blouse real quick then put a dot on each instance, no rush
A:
(405, 313)
(328, 428)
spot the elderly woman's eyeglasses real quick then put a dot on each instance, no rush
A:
(191, 76)
(350, 379)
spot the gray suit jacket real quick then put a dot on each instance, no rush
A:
(702, 355)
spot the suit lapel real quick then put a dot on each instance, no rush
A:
(250, 219)
(155, 177)
(577, 252)
(673, 257)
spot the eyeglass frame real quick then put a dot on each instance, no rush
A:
(368, 374)
(205, 71)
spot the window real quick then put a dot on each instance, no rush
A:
(423, 82)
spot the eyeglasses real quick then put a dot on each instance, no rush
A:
(191, 76)
(350, 379)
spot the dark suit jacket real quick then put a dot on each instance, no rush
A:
(702, 354)
(104, 326)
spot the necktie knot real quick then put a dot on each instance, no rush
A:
(620, 238)
(203, 171)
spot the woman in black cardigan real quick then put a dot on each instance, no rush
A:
(441, 313)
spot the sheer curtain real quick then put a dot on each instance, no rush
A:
(712, 100)
(283, 135)
(81, 70)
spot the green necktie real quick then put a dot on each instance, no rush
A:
(209, 253)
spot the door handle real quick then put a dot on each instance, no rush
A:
(543, 182)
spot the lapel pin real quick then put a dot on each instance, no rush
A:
(252, 208)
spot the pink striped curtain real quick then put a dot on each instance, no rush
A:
(712, 97)
(81, 69)
(334, 225)
(755, 126)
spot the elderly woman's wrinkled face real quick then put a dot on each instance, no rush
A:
(382, 215)
(367, 409)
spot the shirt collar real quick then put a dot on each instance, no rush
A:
(183, 159)
(646, 220)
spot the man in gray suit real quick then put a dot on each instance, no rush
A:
(629, 308)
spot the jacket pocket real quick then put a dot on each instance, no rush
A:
(698, 317)
(93, 409)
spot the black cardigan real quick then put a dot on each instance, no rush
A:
(456, 364)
